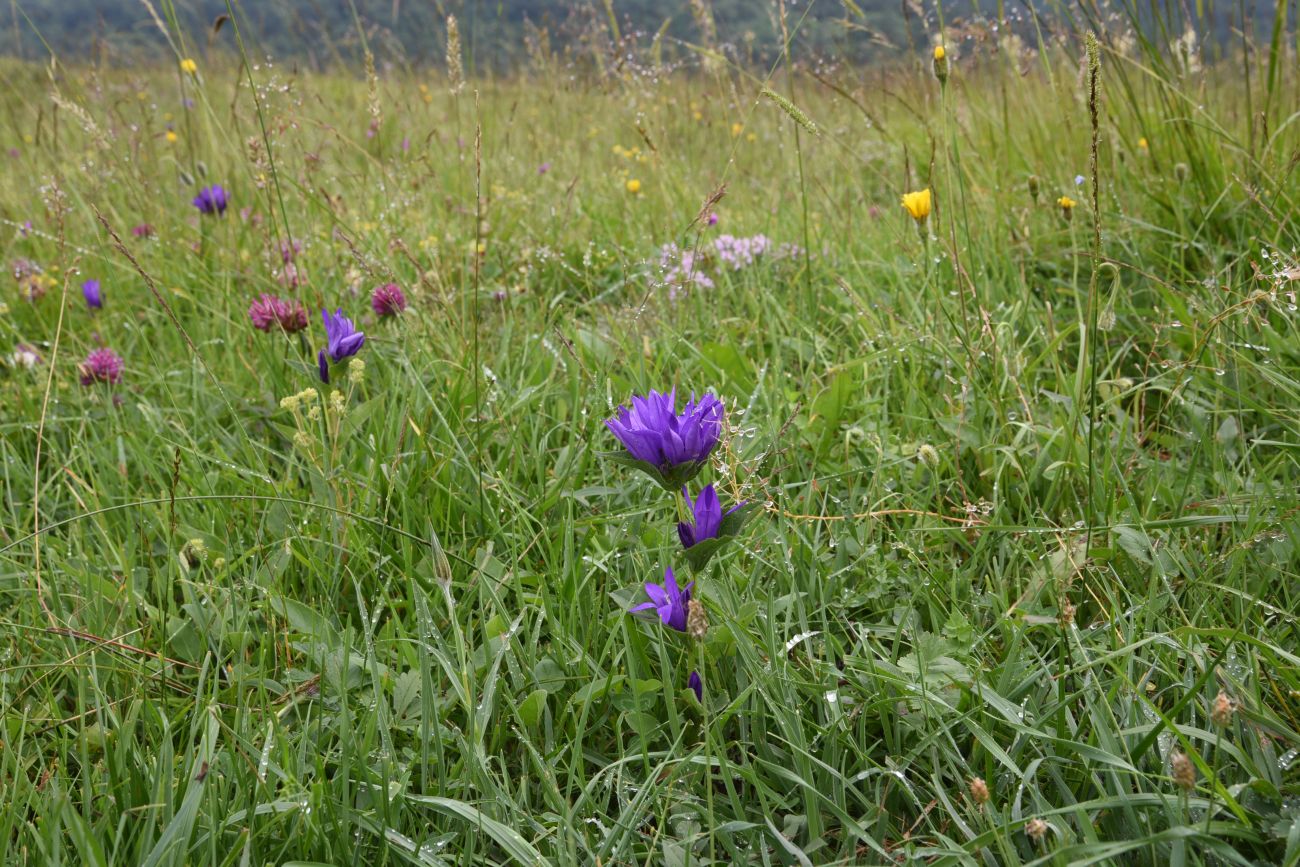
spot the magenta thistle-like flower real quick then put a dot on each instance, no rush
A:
(101, 365)
(388, 300)
(268, 312)
(212, 200)
(669, 601)
(143, 230)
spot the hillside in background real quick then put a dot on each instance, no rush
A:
(500, 34)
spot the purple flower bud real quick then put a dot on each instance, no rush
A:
(696, 684)
(344, 340)
(212, 200)
(94, 296)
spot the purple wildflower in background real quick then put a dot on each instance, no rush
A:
(1078, 180)
(343, 341)
(270, 311)
(25, 229)
(143, 230)
(101, 365)
(94, 296)
(681, 270)
(212, 200)
(543, 168)
(696, 684)
(653, 431)
(388, 300)
(668, 601)
(741, 252)
(706, 517)
(713, 218)
(289, 250)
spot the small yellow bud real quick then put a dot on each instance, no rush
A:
(189, 67)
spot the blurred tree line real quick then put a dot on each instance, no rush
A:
(500, 35)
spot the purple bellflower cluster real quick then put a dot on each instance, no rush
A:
(672, 447)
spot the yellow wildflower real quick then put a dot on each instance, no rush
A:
(633, 186)
(189, 67)
(939, 53)
(918, 204)
(1142, 143)
(737, 128)
(171, 137)
(1067, 206)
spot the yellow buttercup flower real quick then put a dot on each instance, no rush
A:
(171, 137)
(1142, 143)
(939, 53)
(918, 204)
(633, 186)
(737, 128)
(189, 67)
(1067, 207)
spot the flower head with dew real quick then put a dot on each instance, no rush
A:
(101, 365)
(212, 200)
(670, 446)
(388, 300)
(270, 311)
(343, 340)
(93, 293)
(918, 204)
(669, 601)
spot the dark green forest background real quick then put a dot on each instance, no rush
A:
(498, 34)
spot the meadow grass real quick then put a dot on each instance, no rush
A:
(1022, 583)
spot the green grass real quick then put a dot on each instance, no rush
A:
(987, 545)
